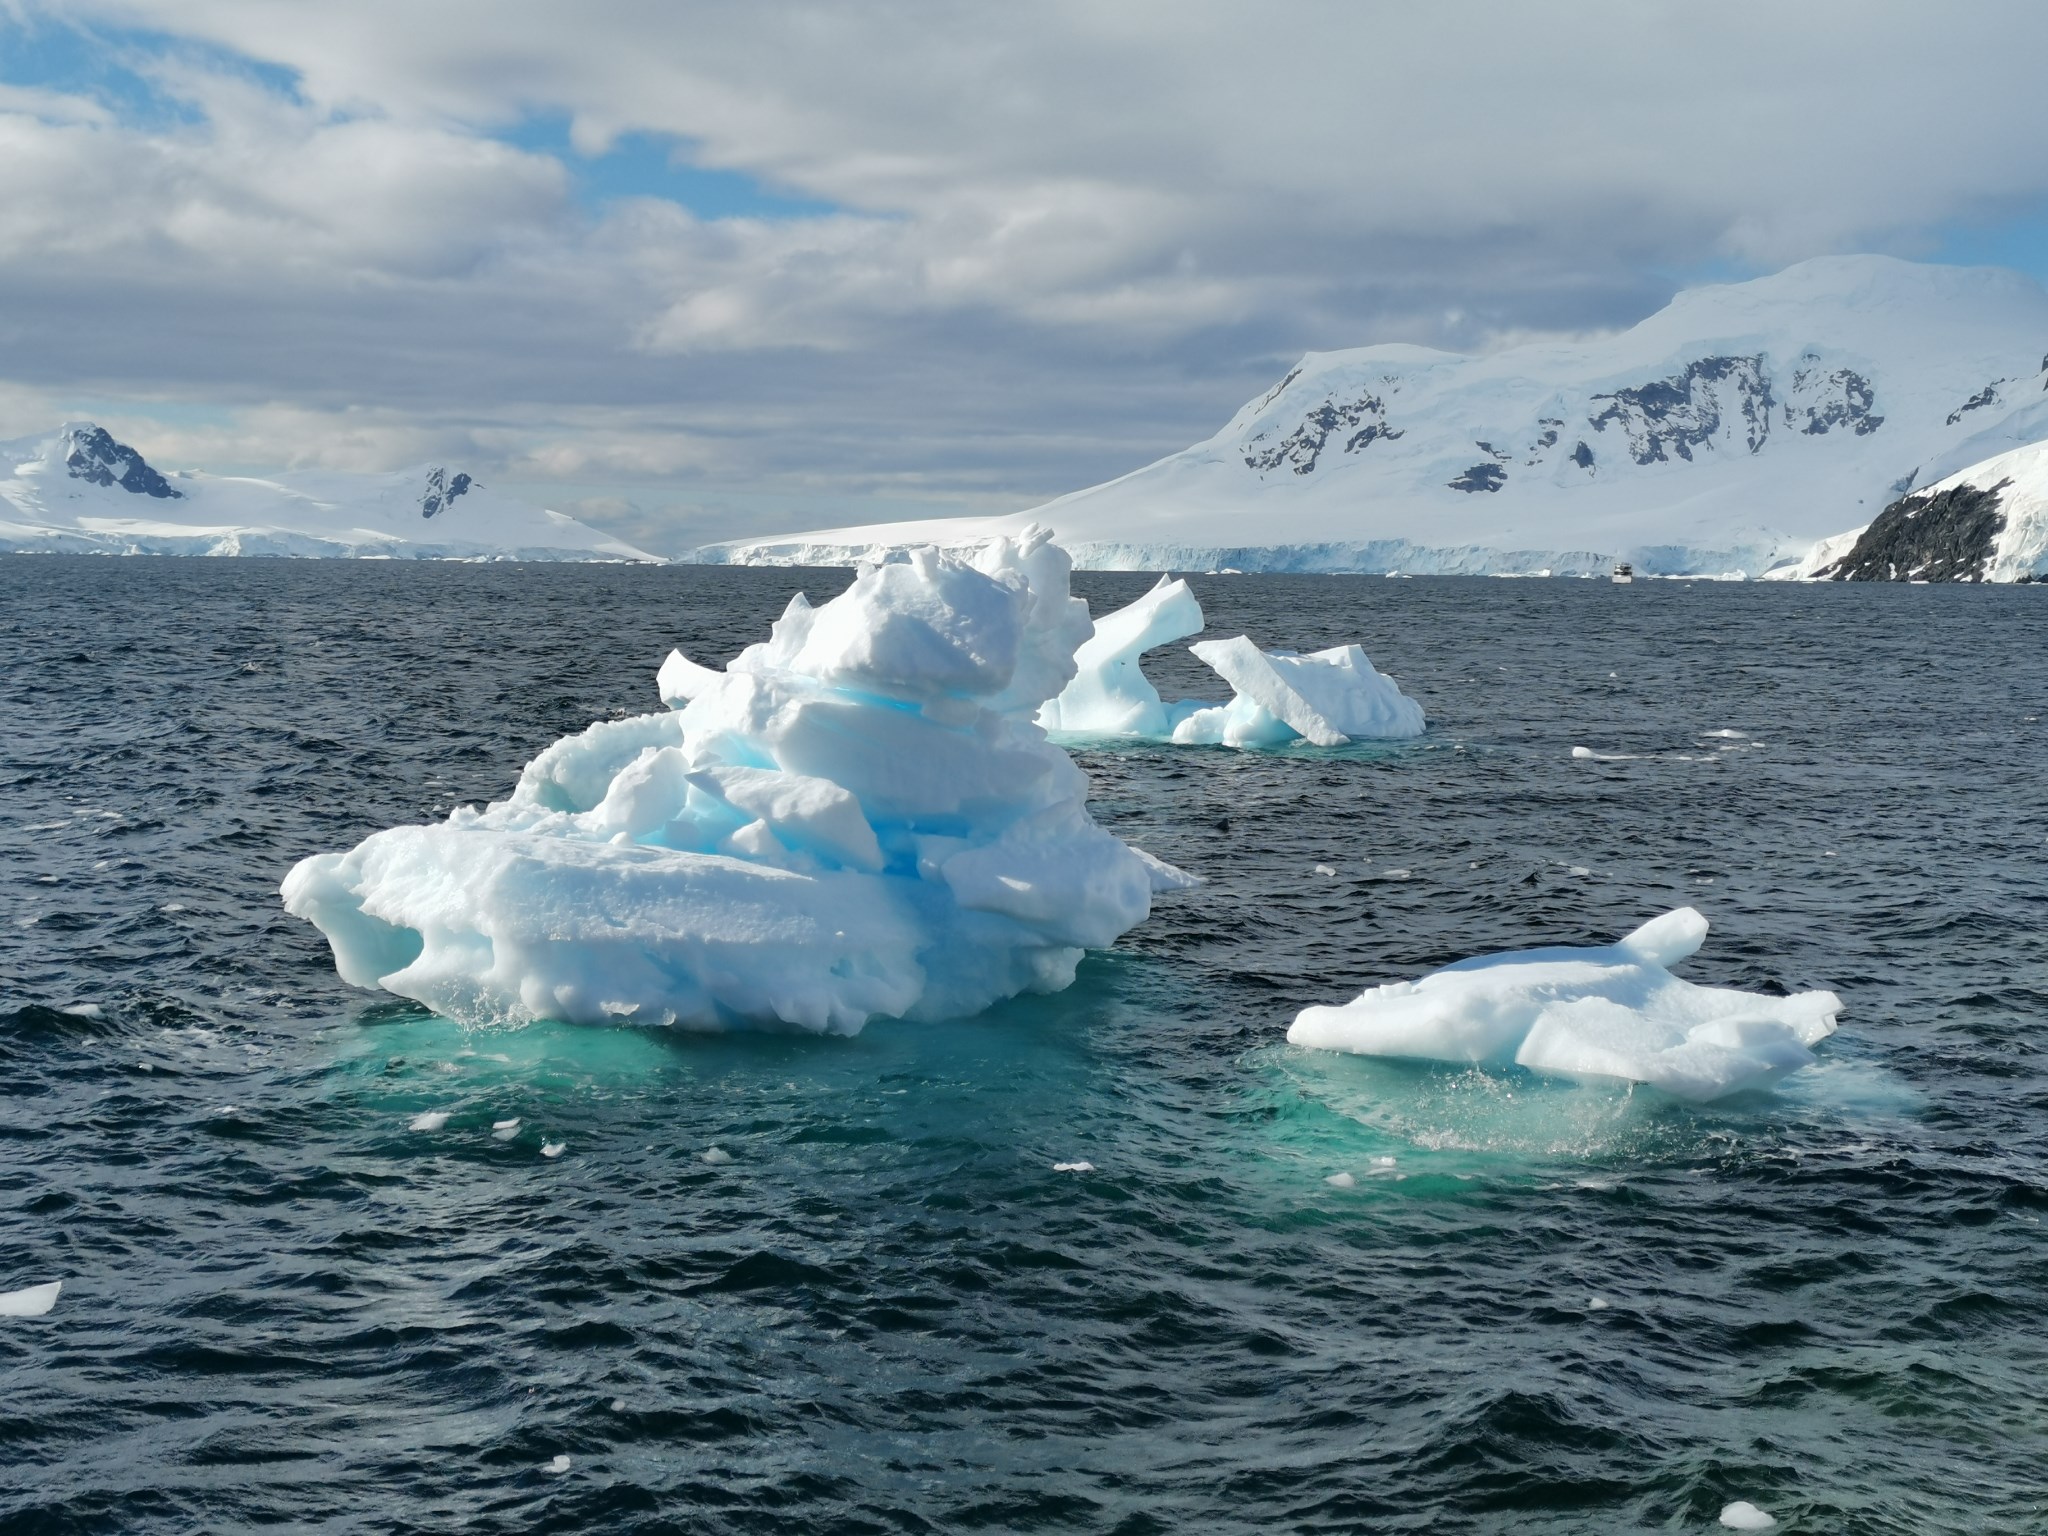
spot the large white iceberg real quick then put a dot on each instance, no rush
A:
(1612, 1012)
(1327, 698)
(856, 818)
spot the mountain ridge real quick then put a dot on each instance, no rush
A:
(79, 490)
(1725, 434)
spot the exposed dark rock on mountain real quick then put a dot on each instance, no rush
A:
(1946, 536)
(1988, 395)
(1481, 477)
(97, 459)
(1823, 399)
(1301, 447)
(442, 489)
(1673, 416)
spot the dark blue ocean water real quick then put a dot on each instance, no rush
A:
(887, 1312)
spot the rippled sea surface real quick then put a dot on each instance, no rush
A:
(1539, 1308)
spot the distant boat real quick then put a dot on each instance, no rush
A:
(1624, 573)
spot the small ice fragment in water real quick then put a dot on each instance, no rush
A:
(1324, 869)
(429, 1120)
(556, 1467)
(30, 1301)
(84, 1010)
(172, 906)
(718, 1157)
(1383, 1162)
(1745, 1516)
(1073, 1167)
(504, 1130)
(553, 1148)
(1614, 1012)
(1341, 1181)
(618, 1405)
(1597, 1304)
(1395, 874)
(1577, 869)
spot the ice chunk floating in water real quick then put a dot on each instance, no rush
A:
(1328, 698)
(1110, 695)
(856, 818)
(1615, 1012)
(30, 1301)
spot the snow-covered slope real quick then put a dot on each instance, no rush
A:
(1986, 523)
(1724, 434)
(78, 490)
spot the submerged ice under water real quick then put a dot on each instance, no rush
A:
(1269, 1288)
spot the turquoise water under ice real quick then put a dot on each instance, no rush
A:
(1536, 1308)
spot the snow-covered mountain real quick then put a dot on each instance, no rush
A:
(1724, 434)
(1986, 523)
(77, 490)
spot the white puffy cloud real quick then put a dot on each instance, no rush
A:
(1067, 236)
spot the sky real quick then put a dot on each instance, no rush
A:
(701, 271)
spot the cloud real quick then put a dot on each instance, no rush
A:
(1055, 240)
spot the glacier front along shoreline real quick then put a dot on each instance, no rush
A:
(856, 818)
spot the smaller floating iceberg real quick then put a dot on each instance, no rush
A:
(1328, 698)
(1110, 694)
(1587, 1014)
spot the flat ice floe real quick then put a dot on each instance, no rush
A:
(856, 818)
(1327, 698)
(1595, 1013)
(30, 1300)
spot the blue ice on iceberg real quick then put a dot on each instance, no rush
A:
(1327, 698)
(1597, 1013)
(856, 818)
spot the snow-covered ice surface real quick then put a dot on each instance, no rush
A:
(79, 491)
(1721, 436)
(1610, 1013)
(856, 818)
(1328, 698)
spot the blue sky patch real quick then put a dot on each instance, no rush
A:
(655, 165)
(109, 66)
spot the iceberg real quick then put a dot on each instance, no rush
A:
(1328, 698)
(856, 818)
(1110, 694)
(1587, 1014)
(31, 1300)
